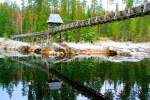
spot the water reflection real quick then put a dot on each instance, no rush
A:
(28, 82)
(125, 80)
(36, 81)
(12, 92)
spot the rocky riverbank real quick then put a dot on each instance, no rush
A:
(112, 51)
(7, 44)
(141, 49)
(12, 45)
(127, 49)
(107, 48)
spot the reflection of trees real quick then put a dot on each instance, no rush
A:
(10, 89)
(89, 72)
(144, 81)
(93, 73)
(6, 74)
(24, 88)
(12, 75)
(33, 80)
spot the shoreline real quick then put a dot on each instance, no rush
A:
(125, 50)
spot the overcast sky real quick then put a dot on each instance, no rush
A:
(104, 4)
(19, 1)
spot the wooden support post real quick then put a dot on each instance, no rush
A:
(49, 39)
(49, 36)
(61, 39)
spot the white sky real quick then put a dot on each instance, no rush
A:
(104, 3)
(17, 1)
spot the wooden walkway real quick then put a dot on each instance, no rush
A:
(113, 16)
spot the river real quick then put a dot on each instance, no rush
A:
(37, 78)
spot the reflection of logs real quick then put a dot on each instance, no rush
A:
(104, 51)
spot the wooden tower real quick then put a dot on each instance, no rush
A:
(53, 21)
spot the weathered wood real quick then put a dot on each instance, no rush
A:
(61, 37)
(139, 9)
(113, 16)
(146, 8)
(29, 34)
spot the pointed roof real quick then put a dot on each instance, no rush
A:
(55, 18)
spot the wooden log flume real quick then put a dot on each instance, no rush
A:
(141, 10)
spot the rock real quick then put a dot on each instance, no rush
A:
(47, 51)
(112, 53)
(38, 51)
(24, 49)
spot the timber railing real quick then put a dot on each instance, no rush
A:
(138, 11)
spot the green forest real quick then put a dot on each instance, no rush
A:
(33, 14)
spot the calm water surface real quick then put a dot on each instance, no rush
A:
(32, 79)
